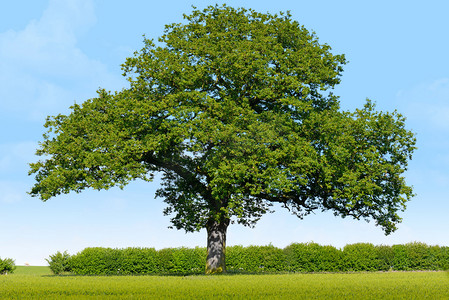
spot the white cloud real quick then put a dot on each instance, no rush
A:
(49, 44)
(42, 70)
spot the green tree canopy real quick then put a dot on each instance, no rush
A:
(235, 109)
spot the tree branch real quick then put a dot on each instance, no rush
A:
(181, 171)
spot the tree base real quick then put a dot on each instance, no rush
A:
(216, 247)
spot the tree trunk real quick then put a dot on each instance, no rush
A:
(216, 246)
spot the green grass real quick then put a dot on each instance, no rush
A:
(32, 270)
(388, 285)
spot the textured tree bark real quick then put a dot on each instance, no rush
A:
(216, 246)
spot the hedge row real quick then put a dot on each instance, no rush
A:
(310, 257)
(129, 261)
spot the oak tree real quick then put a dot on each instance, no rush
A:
(234, 108)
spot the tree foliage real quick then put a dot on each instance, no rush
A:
(235, 109)
(7, 265)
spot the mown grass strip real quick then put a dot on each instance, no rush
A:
(388, 285)
(32, 270)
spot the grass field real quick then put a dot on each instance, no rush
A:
(21, 270)
(36, 283)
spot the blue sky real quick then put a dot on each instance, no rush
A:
(53, 53)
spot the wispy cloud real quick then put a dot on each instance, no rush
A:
(48, 45)
(42, 69)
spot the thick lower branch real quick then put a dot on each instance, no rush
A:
(188, 176)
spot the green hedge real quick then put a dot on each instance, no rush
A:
(419, 256)
(309, 257)
(312, 258)
(367, 257)
(108, 261)
(255, 259)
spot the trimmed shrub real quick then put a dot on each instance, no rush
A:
(165, 260)
(419, 256)
(313, 257)
(185, 260)
(97, 261)
(181, 260)
(361, 257)
(401, 261)
(416, 256)
(139, 261)
(385, 257)
(235, 259)
(59, 263)
(255, 259)
(439, 257)
(7, 266)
